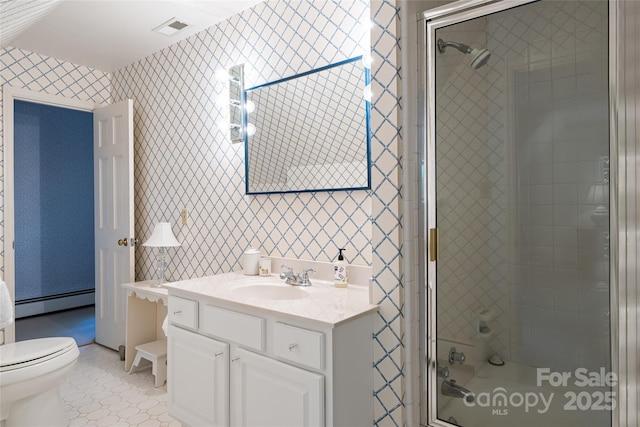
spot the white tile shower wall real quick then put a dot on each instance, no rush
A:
(182, 160)
(548, 76)
(528, 76)
(38, 73)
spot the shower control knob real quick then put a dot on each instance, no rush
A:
(455, 356)
(443, 372)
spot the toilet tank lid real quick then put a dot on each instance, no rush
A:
(30, 350)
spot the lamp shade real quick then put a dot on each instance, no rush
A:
(162, 236)
(599, 194)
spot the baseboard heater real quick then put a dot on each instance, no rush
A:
(48, 304)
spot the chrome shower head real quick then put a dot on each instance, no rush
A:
(479, 56)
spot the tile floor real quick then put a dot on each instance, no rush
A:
(100, 393)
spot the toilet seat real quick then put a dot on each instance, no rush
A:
(23, 354)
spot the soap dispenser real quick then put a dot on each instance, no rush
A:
(340, 272)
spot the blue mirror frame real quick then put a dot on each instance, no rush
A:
(326, 175)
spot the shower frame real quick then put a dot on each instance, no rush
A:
(624, 91)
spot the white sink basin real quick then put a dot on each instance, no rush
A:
(269, 292)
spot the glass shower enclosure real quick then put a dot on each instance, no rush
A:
(516, 191)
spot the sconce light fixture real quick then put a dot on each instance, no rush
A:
(162, 237)
(238, 107)
(234, 77)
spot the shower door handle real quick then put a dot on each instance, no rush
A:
(433, 244)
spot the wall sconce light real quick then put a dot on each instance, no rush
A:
(236, 115)
(162, 237)
(238, 106)
(235, 79)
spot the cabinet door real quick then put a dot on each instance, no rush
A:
(269, 393)
(198, 379)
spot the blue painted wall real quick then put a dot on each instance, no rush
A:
(53, 200)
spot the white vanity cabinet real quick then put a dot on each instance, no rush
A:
(274, 369)
(198, 378)
(266, 392)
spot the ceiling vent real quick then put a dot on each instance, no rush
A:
(171, 27)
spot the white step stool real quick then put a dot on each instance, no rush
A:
(156, 353)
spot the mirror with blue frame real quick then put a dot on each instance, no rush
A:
(309, 132)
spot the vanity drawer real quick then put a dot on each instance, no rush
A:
(299, 345)
(233, 326)
(183, 312)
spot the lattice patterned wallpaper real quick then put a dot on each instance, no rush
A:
(183, 160)
(386, 217)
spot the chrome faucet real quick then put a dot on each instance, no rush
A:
(304, 280)
(296, 279)
(453, 389)
(289, 276)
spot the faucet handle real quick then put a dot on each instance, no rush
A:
(288, 273)
(443, 372)
(456, 356)
(304, 280)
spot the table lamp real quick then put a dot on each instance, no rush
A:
(162, 237)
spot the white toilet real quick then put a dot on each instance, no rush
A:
(30, 376)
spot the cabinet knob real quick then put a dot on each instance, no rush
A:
(177, 312)
(293, 346)
(219, 354)
(235, 359)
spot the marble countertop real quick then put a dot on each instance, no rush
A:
(321, 302)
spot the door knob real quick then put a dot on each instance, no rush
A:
(123, 242)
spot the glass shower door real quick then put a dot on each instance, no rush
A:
(518, 178)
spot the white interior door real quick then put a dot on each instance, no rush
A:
(113, 181)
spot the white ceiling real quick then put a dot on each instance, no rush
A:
(105, 34)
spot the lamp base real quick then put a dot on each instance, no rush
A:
(600, 217)
(160, 268)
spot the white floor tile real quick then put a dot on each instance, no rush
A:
(100, 393)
